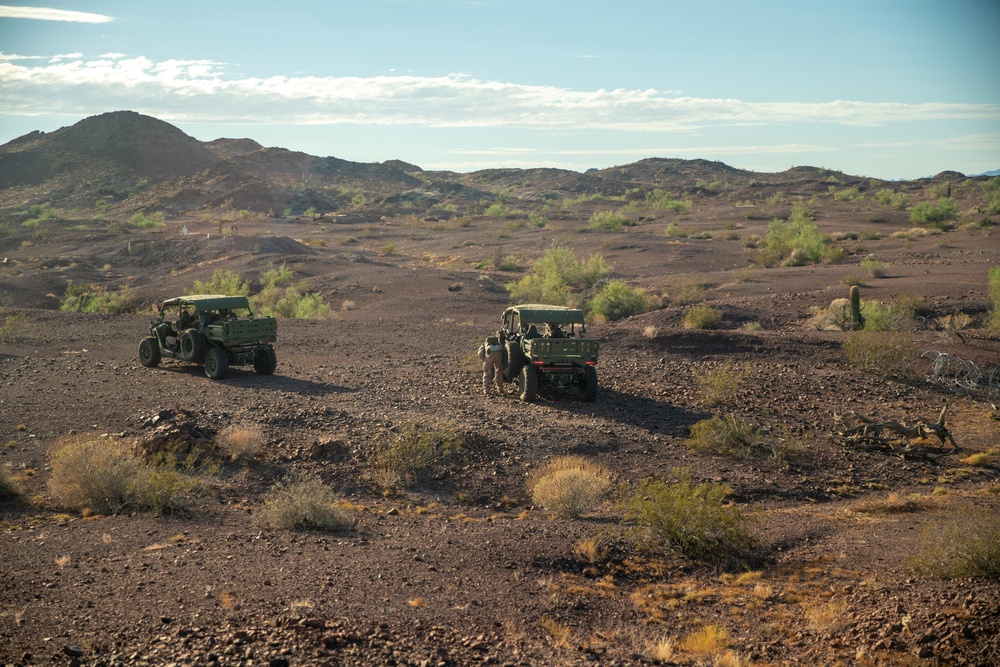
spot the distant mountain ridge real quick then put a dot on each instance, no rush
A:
(135, 162)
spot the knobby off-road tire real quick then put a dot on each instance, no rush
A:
(193, 346)
(265, 361)
(528, 383)
(149, 352)
(216, 363)
(588, 389)
(513, 360)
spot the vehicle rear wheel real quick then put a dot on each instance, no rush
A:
(216, 363)
(265, 361)
(513, 360)
(193, 346)
(149, 352)
(528, 383)
(588, 390)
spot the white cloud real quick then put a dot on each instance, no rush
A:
(47, 14)
(201, 91)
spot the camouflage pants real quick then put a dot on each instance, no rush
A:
(493, 371)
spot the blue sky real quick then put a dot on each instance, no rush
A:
(885, 88)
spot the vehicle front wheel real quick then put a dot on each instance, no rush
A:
(588, 390)
(265, 361)
(149, 352)
(528, 383)
(216, 363)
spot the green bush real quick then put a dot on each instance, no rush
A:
(558, 278)
(303, 502)
(884, 317)
(675, 231)
(793, 243)
(893, 199)
(879, 352)
(876, 268)
(702, 316)
(662, 200)
(497, 261)
(991, 196)
(848, 194)
(691, 518)
(731, 436)
(222, 282)
(959, 550)
(570, 486)
(152, 221)
(609, 221)
(12, 327)
(411, 454)
(294, 302)
(95, 299)
(934, 215)
(616, 299)
(277, 277)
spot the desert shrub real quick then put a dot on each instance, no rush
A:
(731, 436)
(497, 209)
(94, 298)
(675, 231)
(879, 316)
(848, 194)
(955, 550)
(662, 200)
(294, 302)
(151, 221)
(582, 199)
(879, 352)
(893, 199)
(8, 487)
(720, 384)
(304, 502)
(702, 316)
(570, 486)
(277, 277)
(994, 290)
(616, 299)
(894, 503)
(106, 476)
(222, 282)
(240, 442)
(409, 455)
(557, 276)
(991, 196)
(538, 220)
(876, 268)
(691, 518)
(793, 243)
(686, 293)
(934, 214)
(497, 261)
(609, 221)
(12, 326)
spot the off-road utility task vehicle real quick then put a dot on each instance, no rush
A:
(214, 330)
(546, 346)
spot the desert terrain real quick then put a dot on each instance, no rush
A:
(462, 566)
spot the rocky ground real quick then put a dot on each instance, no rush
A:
(463, 568)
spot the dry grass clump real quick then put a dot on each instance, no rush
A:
(241, 442)
(894, 503)
(570, 486)
(590, 551)
(104, 475)
(979, 460)
(825, 616)
(304, 502)
(8, 487)
(958, 550)
(710, 641)
(720, 384)
(650, 332)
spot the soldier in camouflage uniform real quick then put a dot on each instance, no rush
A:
(491, 354)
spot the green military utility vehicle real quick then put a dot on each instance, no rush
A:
(559, 356)
(214, 330)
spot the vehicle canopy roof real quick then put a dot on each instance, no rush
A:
(542, 313)
(209, 302)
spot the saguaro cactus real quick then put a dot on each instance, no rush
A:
(856, 320)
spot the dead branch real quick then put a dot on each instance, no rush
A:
(895, 435)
